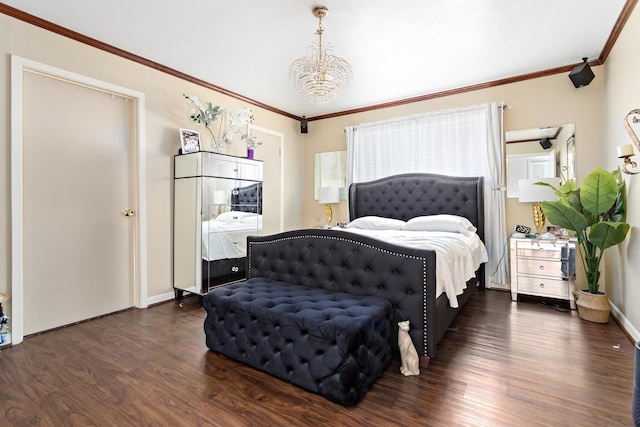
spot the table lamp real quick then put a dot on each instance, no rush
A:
(219, 200)
(529, 192)
(327, 196)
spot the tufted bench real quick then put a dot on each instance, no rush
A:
(333, 343)
(320, 309)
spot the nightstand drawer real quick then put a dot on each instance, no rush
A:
(543, 286)
(542, 267)
(538, 249)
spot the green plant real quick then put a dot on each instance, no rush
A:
(595, 213)
(219, 122)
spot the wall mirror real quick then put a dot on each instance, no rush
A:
(331, 171)
(540, 153)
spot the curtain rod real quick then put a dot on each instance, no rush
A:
(503, 106)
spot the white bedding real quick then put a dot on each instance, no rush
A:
(458, 255)
(227, 239)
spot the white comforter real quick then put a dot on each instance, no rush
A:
(458, 256)
(222, 240)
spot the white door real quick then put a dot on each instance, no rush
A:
(78, 244)
(269, 151)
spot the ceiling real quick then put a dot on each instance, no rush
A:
(398, 49)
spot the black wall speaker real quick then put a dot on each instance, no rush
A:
(581, 75)
(545, 143)
(304, 125)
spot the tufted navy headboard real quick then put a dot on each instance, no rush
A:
(247, 199)
(409, 195)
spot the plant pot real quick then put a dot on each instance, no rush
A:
(593, 307)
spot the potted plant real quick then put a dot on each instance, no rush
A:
(595, 212)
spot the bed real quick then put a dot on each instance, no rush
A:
(407, 196)
(404, 197)
(224, 237)
(320, 307)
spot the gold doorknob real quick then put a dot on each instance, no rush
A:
(128, 212)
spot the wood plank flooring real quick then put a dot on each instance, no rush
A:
(502, 364)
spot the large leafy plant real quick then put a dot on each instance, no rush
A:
(595, 212)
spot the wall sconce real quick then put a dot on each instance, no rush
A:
(327, 196)
(626, 151)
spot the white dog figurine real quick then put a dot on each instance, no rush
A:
(408, 354)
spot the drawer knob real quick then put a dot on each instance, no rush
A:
(542, 285)
(541, 249)
(542, 267)
(235, 269)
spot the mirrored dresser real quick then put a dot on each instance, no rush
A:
(543, 268)
(217, 204)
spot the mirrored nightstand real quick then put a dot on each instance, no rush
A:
(544, 268)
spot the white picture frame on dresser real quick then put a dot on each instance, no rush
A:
(189, 141)
(543, 268)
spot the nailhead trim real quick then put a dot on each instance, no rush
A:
(424, 268)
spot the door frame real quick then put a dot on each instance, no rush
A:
(18, 66)
(280, 136)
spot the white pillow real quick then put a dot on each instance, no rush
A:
(232, 216)
(376, 223)
(252, 219)
(444, 222)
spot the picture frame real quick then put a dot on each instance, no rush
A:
(189, 141)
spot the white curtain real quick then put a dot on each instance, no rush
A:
(496, 228)
(350, 133)
(462, 142)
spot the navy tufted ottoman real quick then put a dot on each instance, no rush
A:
(331, 343)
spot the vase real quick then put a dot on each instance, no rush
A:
(250, 152)
(593, 307)
(217, 144)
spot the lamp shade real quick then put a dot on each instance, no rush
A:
(327, 195)
(219, 197)
(528, 191)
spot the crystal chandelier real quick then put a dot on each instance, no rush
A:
(320, 76)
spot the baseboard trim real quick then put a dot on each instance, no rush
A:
(157, 299)
(624, 323)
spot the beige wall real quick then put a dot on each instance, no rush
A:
(535, 103)
(622, 86)
(596, 110)
(541, 102)
(166, 111)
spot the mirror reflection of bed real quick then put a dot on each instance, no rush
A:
(217, 204)
(233, 214)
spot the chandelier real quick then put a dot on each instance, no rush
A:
(320, 76)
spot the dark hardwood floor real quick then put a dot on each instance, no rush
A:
(502, 364)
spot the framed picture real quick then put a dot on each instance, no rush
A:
(189, 141)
